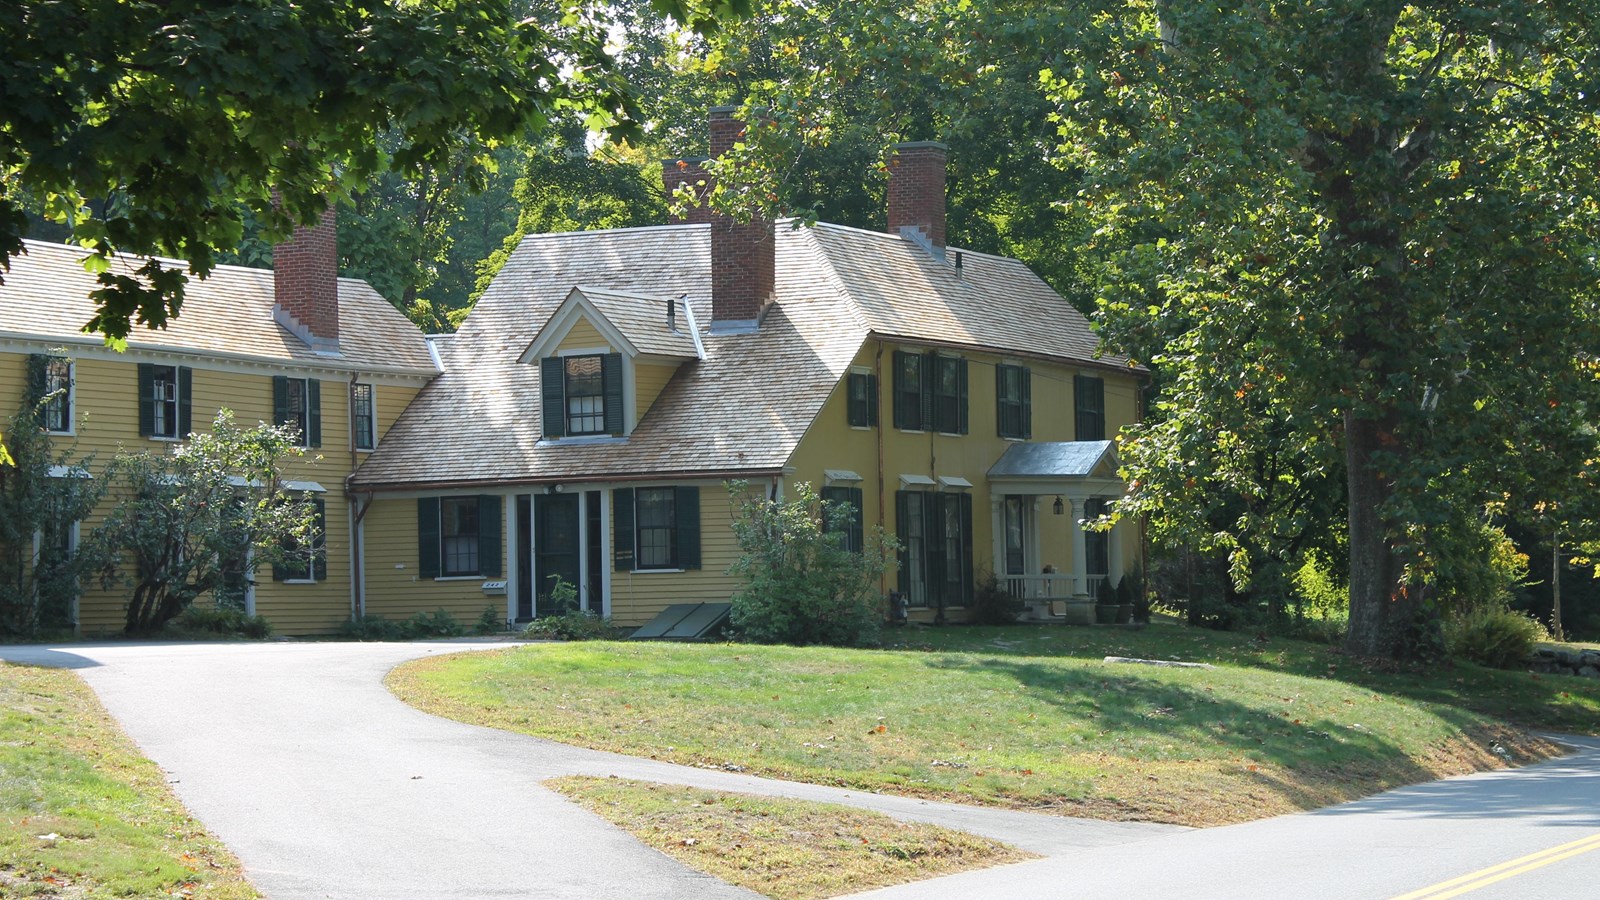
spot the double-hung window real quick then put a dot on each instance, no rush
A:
(586, 395)
(1013, 402)
(861, 399)
(363, 417)
(949, 394)
(656, 528)
(582, 395)
(57, 412)
(297, 403)
(302, 561)
(1090, 421)
(459, 537)
(935, 532)
(930, 392)
(164, 401)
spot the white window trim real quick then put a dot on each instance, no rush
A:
(177, 405)
(629, 393)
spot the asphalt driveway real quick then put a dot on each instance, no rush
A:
(326, 786)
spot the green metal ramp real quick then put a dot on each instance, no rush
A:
(684, 622)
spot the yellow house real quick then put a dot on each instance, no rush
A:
(299, 346)
(608, 384)
(585, 418)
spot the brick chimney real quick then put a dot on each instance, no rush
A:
(916, 191)
(306, 284)
(742, 263)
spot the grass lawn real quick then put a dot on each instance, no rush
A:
(785, 849)
(1023, 717)
(82, 813)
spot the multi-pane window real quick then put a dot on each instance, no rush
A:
(1013, 401)
(586, 395)
(164, 401)
(363, 418)
(935, 532)
(1097, 544)
(657, 529)
(930, 392)
(913, 547)
(1090, 394)
(58, 387)
(861, 396)
(848, 525)
(458, 536)
(295, 408)
(302, 562)
(948, 399)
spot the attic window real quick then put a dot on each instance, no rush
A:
(582, 395)
(585, 390)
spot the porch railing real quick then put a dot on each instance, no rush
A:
(1058, 586)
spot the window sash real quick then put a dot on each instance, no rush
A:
(363, 416)
(164, 396)
(656, 529)
(1010, 400)
(585, 394)
(458, 536)
(58, 382)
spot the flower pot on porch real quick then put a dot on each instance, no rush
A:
(1079, 612)
(1105, 614)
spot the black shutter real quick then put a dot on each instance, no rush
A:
(280, 399)
(319, 542)
(622, 528)
(961, 383)
(611, 383)
(147, 400)
(686, 506)
(489, 536)
(313, 435)
(966, 547)
(872, 400)
(428, 536)
(38, 369)
(1026, 376)
(901, 413)
(185, 401)
(930, 388)
(902, 515)
(553, 393)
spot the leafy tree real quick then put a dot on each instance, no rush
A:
(1360, 233)
(152, 127)
(42, 493)
(200, 519)
(804, 584)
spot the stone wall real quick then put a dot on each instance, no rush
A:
(1565, 661)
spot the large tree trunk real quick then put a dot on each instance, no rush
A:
(1384, 613)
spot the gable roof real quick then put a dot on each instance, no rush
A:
(46, 297)
(635, 321)
(742, 408)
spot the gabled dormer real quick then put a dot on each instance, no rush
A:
(604, 357)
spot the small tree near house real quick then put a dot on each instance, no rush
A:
(199, 520)
(42, 493)
(809, 578)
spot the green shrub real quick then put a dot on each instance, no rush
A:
(1498, 638)
(222, 620)
(438, 623)
(803, 584)
(575, 625)
(992, 604)
(490, 621)
(371, 627)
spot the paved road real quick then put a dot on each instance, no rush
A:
(328, 787)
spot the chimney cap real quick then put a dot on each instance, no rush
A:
(722, 112)
(922, 145)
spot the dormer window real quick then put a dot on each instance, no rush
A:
(586, 395)
(582, 394)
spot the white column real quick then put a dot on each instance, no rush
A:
(1032, 559)
(997, 542)
(1080, 550)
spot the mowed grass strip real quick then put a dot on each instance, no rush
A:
(785, 849)
(83, 814)
(1024, 718)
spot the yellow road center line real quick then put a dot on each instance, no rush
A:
(1485, 877)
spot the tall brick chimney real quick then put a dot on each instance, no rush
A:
(742, 259)
(916, 191)
(306, 284)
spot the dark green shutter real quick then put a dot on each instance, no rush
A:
(622, 528)
(930, 388)
(872, 400)
(319, 542)
(185, 401)
(933, 546)
(147, 400)
(966, 547)
(280, 399)
(611, 383)
(552, 392)
(1000, 401)
(489, 535)
(903, 414)
(902, 514)
(428, 536)
(686, 506)
(1027, 403)
(38, 368)
(961, 382)
(313, 413)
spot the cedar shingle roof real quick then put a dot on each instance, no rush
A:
(745, 407)
(46, 296)
(642, 320)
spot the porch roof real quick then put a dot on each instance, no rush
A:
(1056, 459)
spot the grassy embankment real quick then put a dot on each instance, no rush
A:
(1025, 717)
(83, 814)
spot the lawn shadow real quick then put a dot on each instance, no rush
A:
(47, 657)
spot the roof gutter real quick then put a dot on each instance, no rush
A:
(1135, 370)
(466, 484)
(321, 362)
